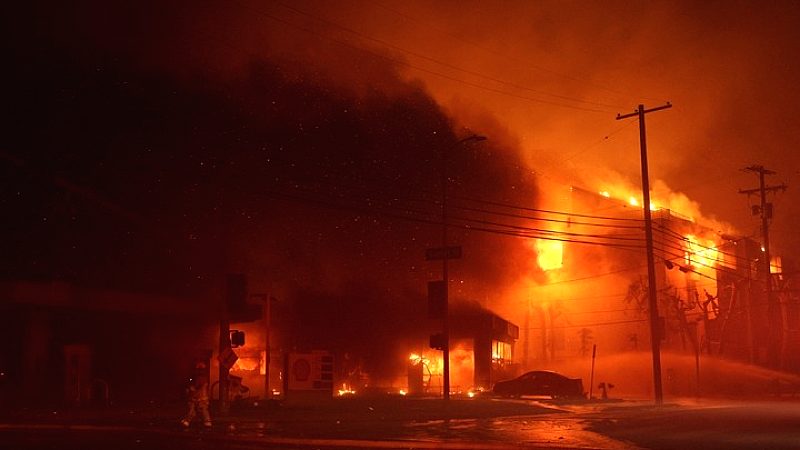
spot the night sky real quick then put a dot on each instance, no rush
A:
(153, 146)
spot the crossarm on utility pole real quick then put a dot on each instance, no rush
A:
(773, 313)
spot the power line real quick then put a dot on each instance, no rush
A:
(705, 248)
(393, 202)
(560, 213)
(505, 56)
(672, 250)
(448, 65)
(595, 324)
(467, 224)
(432, 72)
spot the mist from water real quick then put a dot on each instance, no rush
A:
(631, 374)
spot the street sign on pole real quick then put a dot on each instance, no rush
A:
(440, 253)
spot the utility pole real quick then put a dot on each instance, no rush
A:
(267, 355)
(765, 210)
(266, 318)
(445, 274)
(655, 334)
(225, 297)
(224, 346)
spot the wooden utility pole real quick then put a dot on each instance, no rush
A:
(445, 275)
(224, 347)
(266, 318)
(655, 334)
(765, 210)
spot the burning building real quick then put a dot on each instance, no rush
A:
(712, 294)
(481, 353)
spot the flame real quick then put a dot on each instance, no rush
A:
(661, 197)
(635, 202)
(580, 297)
(417, 359)
(696, 254)
(462, 368)
(549, 254)
(246, 364)
(501, 351)
(346, 390)
(776, 264)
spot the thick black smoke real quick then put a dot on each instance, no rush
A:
(131, 176)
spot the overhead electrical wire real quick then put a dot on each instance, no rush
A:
(510, 58)
(560, 213)
(672, 251)
(490, 225)
(704, 248)
(496, 226)
(329, 199)
(448, 65)
(572, 155)
(432, 72)
(433, 200)
(402, 62)
(596, 324)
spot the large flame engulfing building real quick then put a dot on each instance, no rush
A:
(712, 295)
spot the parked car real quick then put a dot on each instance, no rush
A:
(542, 383)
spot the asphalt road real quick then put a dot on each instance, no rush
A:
(703, 425)
(423, 424)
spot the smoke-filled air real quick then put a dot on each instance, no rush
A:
(312, 146)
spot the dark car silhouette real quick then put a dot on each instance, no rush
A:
(541, 383)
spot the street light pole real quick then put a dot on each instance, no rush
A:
(445, 276)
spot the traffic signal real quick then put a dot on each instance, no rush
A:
(437, 341)
(237, 338)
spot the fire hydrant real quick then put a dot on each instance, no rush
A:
(604, 387)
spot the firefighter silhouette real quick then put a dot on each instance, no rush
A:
(197, 393)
